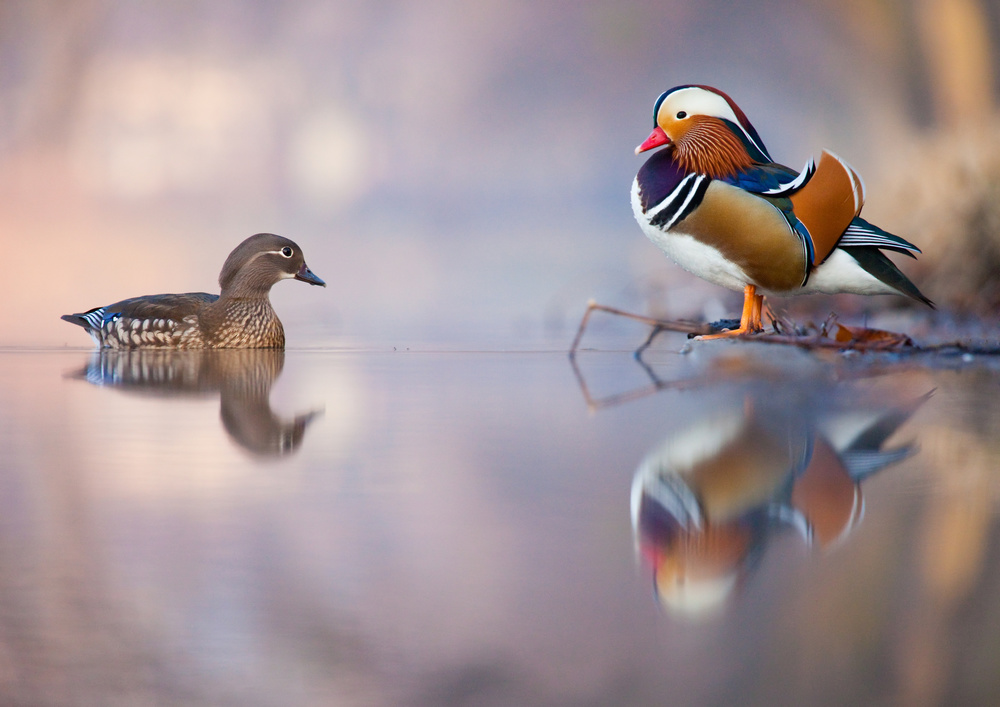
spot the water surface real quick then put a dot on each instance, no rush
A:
(735, 525)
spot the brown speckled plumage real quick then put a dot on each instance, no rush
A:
(240, 316)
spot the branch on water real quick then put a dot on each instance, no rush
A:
(659, 325)
(830, 335)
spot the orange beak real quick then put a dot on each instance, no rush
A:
(655, 139)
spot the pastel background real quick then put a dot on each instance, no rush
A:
(451, 526)
(458, 172)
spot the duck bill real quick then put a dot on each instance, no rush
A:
(306, 275)
(655, 139)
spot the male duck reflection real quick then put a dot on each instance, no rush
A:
(240, 317)
(708, 500)
(242, 378)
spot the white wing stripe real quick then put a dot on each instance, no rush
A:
(670, 197)
(682, 211)
(679, 202)
(804, 176)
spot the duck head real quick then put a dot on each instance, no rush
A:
(706, 130)
(261, 261)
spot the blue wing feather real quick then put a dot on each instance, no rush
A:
(762, 178)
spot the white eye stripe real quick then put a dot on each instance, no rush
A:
(280, 252)
(697, 101)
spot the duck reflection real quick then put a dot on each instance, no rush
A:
(242, 377)
(707, 501)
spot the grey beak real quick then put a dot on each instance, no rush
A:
(306, 275)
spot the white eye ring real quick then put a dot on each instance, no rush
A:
(286, 252)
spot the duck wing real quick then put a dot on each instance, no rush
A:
(173, 306)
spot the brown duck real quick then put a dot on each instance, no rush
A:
(240, 316)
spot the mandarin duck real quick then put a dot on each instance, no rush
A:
(240, 317)
(716, 203)
(709, 499)
(242, 378)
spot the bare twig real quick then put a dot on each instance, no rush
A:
(831, 335)
(659, 325)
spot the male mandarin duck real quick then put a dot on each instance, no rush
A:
(240, 317)
(715, 202)
(708, 500)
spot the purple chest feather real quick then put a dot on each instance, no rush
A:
(659, 176)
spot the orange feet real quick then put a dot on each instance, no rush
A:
(750, 319)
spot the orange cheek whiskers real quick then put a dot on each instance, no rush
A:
(708, 147)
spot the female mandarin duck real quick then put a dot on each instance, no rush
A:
(720, 207)
(240, 317)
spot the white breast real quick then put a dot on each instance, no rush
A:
(694, 256)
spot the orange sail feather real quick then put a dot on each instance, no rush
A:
(828, 203)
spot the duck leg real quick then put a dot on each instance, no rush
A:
(756, 324)
(750, 319)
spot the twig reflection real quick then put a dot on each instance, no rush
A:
(788, 451)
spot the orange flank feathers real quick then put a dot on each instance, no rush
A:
(828, 203)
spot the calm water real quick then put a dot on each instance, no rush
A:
(736, 525)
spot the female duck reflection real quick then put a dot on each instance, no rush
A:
(706, 502)
(242, 377)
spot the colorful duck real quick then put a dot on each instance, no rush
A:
(708, 501)
(715, 202)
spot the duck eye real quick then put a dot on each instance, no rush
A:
(287, 252)
(681, 114)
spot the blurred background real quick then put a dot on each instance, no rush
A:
(459, 173)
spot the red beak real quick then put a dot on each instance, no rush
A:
(655, 139)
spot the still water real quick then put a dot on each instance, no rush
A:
(739, 524)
